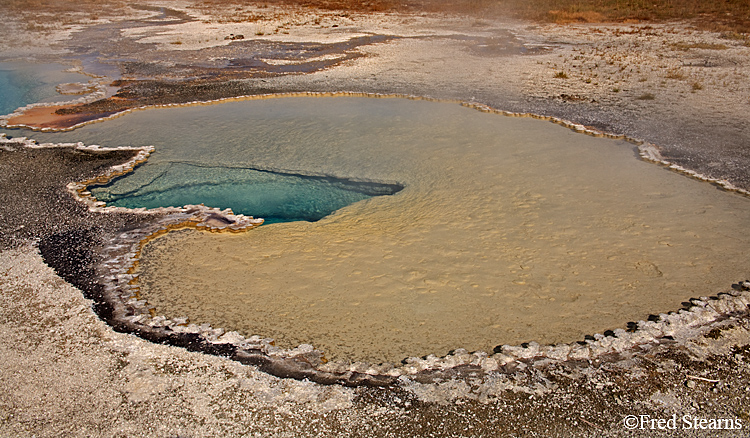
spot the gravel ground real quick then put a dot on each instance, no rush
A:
(66, 373)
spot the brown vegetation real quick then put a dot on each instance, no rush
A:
(60, 6)
(42, 15)
(719, 15)
(706, 46)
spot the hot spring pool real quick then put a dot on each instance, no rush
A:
(23, 83)
(507, 229)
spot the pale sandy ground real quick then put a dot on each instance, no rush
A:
(65, 373)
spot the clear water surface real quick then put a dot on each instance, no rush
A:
(23, 83)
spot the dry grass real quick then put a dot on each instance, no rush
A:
(345, 5)
(720, 15)
(91, 7)
(41, 15)
(706, 46)
(675, 74)
(729, 16)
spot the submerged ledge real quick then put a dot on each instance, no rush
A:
(131, 314)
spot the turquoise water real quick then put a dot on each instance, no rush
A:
(276, 197)
(23, 83)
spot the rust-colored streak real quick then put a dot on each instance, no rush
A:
(51, 117)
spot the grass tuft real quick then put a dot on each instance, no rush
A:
(707, 46)
(675, 74)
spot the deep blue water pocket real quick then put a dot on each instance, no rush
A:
(274, 196)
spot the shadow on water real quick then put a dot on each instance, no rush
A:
(274, 196)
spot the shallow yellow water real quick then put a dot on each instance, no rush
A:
(509, 230)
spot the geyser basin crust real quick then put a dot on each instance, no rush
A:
(508, 230)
